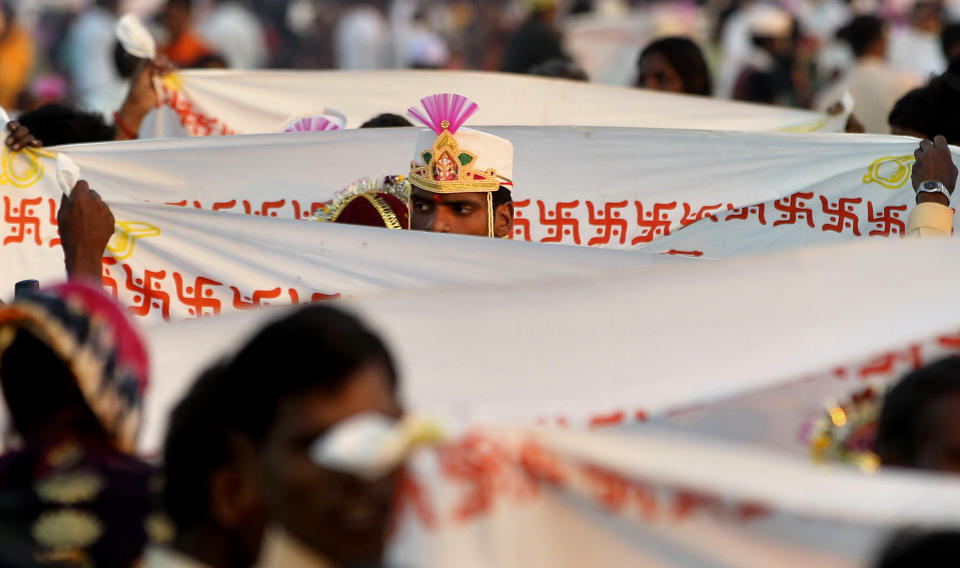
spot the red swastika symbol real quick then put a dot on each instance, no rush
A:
(198, 296)
(609, 489)
(608, 222)
(793, 208)
(302, 211)
(265, 209)
(315, 297)
(24, 220)
(561, 221)
(744, 212)
(221, 205)
(654, 223)
(542, 465)
(485, 469)
(521, 225)
(242, 302)
(108, 280)
(687, 503)
(888, 222)
(842, 215)
(53, 221)
(885, 364)
(411, 494)
(690, 216)
(147, 294)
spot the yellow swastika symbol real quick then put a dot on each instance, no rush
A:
(892, 172)
(125, 237)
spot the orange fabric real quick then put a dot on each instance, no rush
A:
(16, 62)
(187, 49)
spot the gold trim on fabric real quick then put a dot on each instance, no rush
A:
(386, 213)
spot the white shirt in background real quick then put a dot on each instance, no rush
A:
(917, 51)
(876, 86)
(235, 33)
(362, 40)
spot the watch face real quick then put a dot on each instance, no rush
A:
(930, 186)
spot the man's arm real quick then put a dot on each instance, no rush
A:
(140, 99)
(932, 216)
(86, 225)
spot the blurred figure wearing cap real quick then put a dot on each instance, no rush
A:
(766, 76)
(319, 515)
(73, 371)
(460, 178)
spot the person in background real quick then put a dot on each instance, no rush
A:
(73, 371)
(560, 69)
(910, 114)
(423, 47)
(57, 124)
(318, 516)
(917, 47)
(919, 424)
(386, 120)
(460, 178)
(88, 56)
(16, 57)
(234, 32)
(217, 512)
(767, 74)
(361, 38)
(536, 42)
(674, 65)
(874, 84)
(183, 46)
(930, 110)
(950, 42)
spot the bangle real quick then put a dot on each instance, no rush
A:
(123, 126)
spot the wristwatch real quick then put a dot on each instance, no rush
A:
(933, 187)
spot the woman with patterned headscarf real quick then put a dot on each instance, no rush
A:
(73, 371)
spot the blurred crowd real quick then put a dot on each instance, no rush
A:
(803, 53)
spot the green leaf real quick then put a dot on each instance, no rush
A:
(465, 159)
(427, 157)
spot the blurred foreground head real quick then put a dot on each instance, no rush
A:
(73, 371)
(70, 360)
(674, 65)
(287, 387)
(919, 424)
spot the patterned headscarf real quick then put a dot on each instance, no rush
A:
(92, 335)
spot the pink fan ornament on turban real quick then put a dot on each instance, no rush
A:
(445, 111)
(327, 119)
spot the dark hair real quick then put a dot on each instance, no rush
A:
(386, 120)
(950, 39)
(316, 347)
(501, 196)
(931, 110)
(56, 124)
(904, 420)
(861, 33)
(910, 111)
(196, 446)
(560, 69)
(686, 59)
(125, 63)
(38, 386)
(911, 548)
